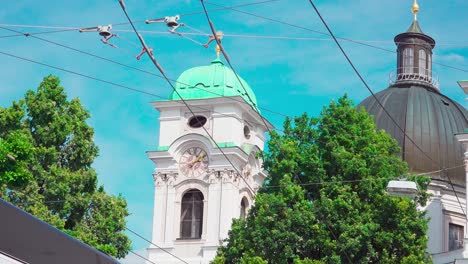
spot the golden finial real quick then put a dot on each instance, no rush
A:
(219, 35)
(415, 9)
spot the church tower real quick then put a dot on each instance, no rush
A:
(198, 191)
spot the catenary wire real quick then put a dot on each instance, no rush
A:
(143, 71)
(133, 68)
(284, 185)
(150, 73)
(201, 12)
(134, 89)
(166, 251)
(266, 126)
(118, 85)
(378, 101)
(128, 229)
(201, 33)
(37, 33)
(392, 51)
(254, 105)
(125, 87)
(181, 98)
(323, 33)
(140, 256)
(55, 43)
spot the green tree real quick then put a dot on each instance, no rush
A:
(343, 214)
(46, 153)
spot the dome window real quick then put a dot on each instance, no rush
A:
(408, 60)
(422, 62)
(197, 121)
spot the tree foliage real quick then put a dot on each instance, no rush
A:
(325, 198)
(46, 153)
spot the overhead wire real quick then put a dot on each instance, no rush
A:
(128, 87)
(55, 43)
(131, 67)
(218, 41)
(86, 76)
(140, 256)
(188, 107)
(198, 32)
(254, 106)
(323, 33)
(182, 99)
(141, 70)
(38, 33)
(161, 248)
(115, 84)
(201, 12)
(128, 229)
(378, 100)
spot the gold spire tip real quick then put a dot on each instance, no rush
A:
(415, 9)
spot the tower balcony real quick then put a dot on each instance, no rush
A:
(417, 76)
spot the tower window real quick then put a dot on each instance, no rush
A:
(191, 218)
(246, 132)
(408, 60)
(243, 209)
(455, 237)
(197, 121)
(422, 62)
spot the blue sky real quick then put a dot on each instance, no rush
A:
(288, 76)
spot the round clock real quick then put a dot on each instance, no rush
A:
(194, 162)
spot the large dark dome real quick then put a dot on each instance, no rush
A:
(430, 119)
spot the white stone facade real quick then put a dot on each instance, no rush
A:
(223, 184)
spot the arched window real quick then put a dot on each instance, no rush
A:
(191, 217)
(408, 60)
(243, 209)
(422, 62)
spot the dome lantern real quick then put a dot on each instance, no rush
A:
(414, 61)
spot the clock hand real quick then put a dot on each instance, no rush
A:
(199, 158)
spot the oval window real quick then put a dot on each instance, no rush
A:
(197, 121)
(246, 132)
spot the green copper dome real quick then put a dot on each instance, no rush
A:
(212, 81)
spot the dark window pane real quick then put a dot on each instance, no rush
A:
(186, 229)
(197, 121)
(243, 211)
(455, 237)
(191, 217)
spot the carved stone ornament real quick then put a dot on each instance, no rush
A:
(171, 178)
(212, 176)
(226, 175)
(159, 179)
(247, 171)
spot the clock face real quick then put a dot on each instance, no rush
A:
(193, 162)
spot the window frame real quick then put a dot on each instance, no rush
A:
(460, 233)
(192, 202)
(422, 62)
(408, 60)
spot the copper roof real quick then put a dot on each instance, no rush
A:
(430, 119)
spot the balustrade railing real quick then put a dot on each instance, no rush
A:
(414, 74)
